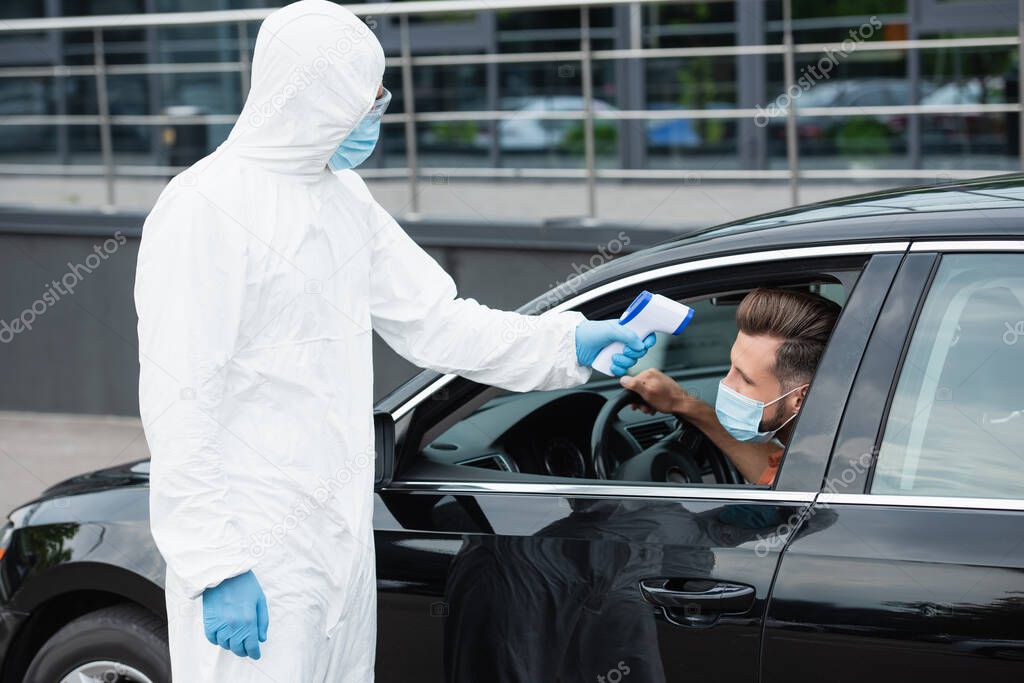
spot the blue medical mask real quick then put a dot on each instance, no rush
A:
(358, 145)
(741, 415)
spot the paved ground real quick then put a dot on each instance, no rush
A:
(656, 205)
(38, 450)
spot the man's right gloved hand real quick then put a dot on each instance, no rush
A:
(235, 615)
(593, 335)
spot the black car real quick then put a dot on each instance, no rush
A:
(889, 548)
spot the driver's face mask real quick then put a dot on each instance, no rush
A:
(741, 415)
(358, 145)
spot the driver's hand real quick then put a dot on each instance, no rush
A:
(661, 393)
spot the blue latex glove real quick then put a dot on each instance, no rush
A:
(594, 335)
(235, 615)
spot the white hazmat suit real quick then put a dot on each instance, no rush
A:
(260, 277)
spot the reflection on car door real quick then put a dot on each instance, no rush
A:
(549, 586)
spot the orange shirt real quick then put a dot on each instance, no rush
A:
(768, 476)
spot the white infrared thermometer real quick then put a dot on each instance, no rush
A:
(648, 313)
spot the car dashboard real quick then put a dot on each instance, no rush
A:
(548, 432)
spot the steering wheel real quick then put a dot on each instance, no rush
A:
(676, 458)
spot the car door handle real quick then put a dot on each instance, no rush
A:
(699, 595)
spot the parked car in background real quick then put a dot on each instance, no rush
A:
(868, 133)
(967, 132)
(669, 134)
(522, 133)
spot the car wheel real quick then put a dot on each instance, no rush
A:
(119, 644)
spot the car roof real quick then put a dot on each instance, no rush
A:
(997, 192)
(985, 208)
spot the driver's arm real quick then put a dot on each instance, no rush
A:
(757, 462)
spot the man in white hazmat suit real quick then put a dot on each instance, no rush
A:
(261, 274)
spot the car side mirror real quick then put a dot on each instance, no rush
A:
(384, 447)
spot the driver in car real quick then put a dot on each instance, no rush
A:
(781, 337)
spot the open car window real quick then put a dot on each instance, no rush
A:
(548, 435)
(706, 346)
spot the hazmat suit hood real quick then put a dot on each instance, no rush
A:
(315, 74)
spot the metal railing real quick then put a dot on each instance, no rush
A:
(406, 62)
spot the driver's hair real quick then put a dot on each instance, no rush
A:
(803, 321)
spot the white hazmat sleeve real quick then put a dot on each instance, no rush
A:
(415, 308)
(190, 286)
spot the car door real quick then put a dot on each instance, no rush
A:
(487, 572)
(921, 577)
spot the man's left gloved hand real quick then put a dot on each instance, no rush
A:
(594, 335)
(235, 615)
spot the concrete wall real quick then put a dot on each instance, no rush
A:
(81, 354)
